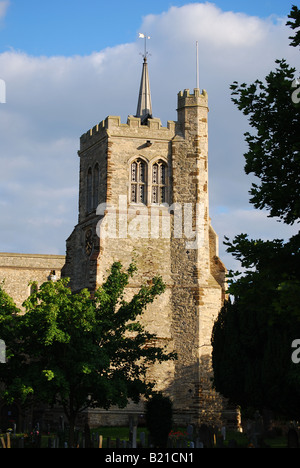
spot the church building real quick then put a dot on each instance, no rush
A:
(143, 195)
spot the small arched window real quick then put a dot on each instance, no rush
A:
(96, 182)
(159, 182)
(138, 181)
(89, 194)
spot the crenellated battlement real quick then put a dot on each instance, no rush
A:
(196, 93)
(186, 99)
(114, 126)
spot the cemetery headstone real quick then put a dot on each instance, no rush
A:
(199, 444)
(143, 439)
(190, 430)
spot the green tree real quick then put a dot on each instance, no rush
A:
(274, 148)
(294, 23)
(10, 365)
(253, 334)
(8, 313)
(82, 350)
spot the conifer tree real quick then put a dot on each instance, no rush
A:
(253, 335)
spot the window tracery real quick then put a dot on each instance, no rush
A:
(138, 182)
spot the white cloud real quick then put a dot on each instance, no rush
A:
(4, 4)
(51, 101)
(209, 23)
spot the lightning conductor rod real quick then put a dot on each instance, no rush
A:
(197, 66)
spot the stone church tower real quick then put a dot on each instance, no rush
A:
(143, 194)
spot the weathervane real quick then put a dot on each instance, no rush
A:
(144, 36)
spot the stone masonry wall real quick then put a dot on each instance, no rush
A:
(17, 270)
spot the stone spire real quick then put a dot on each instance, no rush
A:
(144, 107)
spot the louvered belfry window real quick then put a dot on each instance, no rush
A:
(159, 182)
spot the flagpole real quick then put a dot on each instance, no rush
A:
(197, 66)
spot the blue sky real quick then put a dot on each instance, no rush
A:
(69, 64)
(68, 27)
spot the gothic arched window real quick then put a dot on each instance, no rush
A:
(159, 182)
(138, 181)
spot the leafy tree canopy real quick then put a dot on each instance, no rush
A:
(82, 350)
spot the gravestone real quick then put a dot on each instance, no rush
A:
(199, 444)
(190, 431)
(133, 422)
(143, 439)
